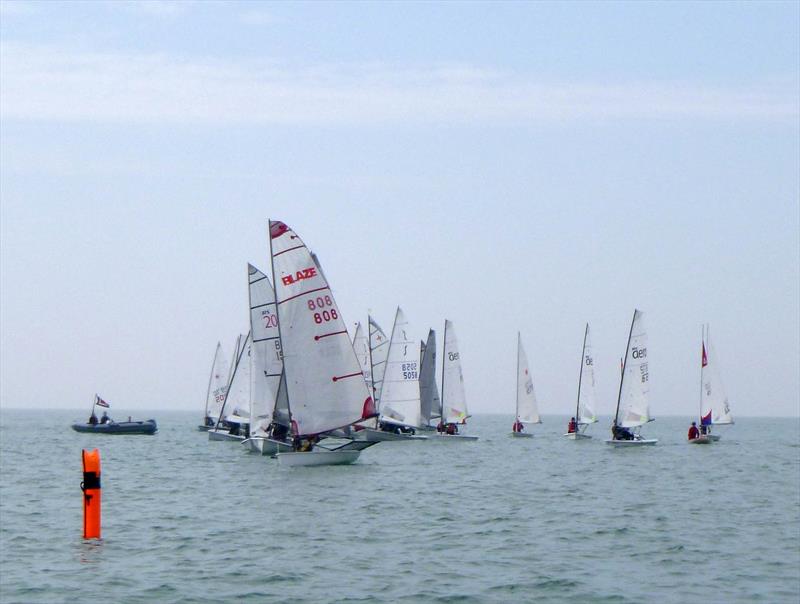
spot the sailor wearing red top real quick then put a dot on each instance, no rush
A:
(693, 431)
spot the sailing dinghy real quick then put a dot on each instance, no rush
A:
(232, 422)
(714, 407)
(325, 386)
(454, 399)
(399, 408)
(429, 403)
(267, 422)
(584, 411)
(633, 409)
(217, 387)
(527, 407)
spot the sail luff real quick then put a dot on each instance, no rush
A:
(634, 386)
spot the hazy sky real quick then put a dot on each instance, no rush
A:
(510, 167)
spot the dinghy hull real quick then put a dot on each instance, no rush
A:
(266, 446)
(454, 437)
(295, 459)
(576, 436)
(521, 434)
(222, 435)
(701, 440)
(642, 442)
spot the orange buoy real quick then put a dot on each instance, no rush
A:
(91, 494)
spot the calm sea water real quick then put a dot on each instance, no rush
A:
(501, 519)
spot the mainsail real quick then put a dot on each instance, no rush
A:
(236, 406)
(267, 363)
(586, 388)
(400, 392)
(454, 399)
(714, 407)
(324, 382)
(217, 383)
(428, 390)
(634, 388)
(379, 348)
(527, 407)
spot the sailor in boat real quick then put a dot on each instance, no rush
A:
(451, 429)
(703, 429)
(93, 419)
(209, 422)
(572, 427)
(621, 433)
(440, 426)
(518, 426)
(105, 419)
(693, 431)
(277, 431)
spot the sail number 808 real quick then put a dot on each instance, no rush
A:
(325, 314)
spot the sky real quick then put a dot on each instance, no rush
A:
(512, 167)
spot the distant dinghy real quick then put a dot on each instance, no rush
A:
(527, 410)
(584, 411)
(454, 399)
(217, 387)
(633, 410)
(714, 407)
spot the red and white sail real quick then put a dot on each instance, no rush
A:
(714, 407)
(324, 381)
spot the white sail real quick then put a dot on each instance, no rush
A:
(400, 396)
(527, 406)
(714, 407)
(324, 383)
(379, 348)
(454, 399)
(236, 407)
(633, 407)
(361, 347)
(266, 359)
(217, 383)
(586, 384)
(428, 390)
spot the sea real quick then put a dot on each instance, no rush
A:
(497, 520)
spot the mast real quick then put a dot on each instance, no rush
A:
(444, 356)
(371, 366)
(624, 363)
(580, 379)
(278, 314)
(516, 414)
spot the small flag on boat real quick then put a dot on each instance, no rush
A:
(101, 403)
(705, 358)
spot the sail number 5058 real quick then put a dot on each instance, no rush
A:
(321, 304)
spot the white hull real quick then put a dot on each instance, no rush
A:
(222, 435)
(266, 446)
(320, 457)
(701, 440)
(377, 436)
(521, 434)
(443, 436)
(631, 443)
(576, 436)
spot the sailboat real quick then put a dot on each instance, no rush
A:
(584, 408)
(325, 386)
(399, 395)
(430, 404)
(234, 416)
(378, 351)
(454, 399)
(269, 425)
(527, 411)
(714, 407)
(217, 387)
(633, 409)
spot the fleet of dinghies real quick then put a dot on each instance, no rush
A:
(299, 390)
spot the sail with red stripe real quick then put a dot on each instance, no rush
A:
(325, 385)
